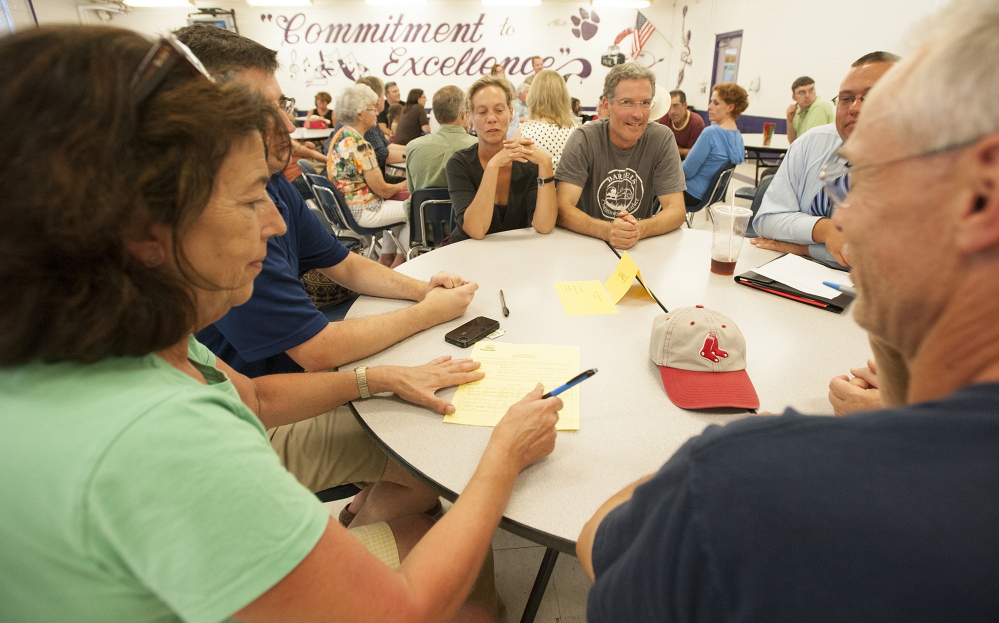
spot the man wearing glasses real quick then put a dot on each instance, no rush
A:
(887, 515)
(807, 111)
(794, 216)
(613, 170)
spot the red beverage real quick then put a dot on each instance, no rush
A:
(719, 267)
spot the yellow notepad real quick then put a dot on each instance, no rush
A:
(512, 370)
(584, 298)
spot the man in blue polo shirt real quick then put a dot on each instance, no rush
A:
(280, 329)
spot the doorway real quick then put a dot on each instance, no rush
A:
(727, 51)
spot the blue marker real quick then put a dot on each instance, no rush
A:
(841, 288)
(576, 380)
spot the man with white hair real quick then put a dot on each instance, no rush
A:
(520, 111)
(794, 216)
(883, 516)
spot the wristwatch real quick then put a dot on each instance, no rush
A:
(545, 180)
(362, 381)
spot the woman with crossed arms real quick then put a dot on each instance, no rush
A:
(499, 184)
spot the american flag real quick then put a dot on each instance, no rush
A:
(643, 30)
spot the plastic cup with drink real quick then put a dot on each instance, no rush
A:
(728, 233)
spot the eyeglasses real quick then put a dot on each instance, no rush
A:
(846, 101)
(158, 62)
(374, 110)
(627, 103)
(287, 104)
(835, 175)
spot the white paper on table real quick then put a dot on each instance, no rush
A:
(805, 275)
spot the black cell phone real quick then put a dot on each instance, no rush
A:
(471, 332)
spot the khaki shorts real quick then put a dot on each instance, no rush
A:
(379, 539)
(328, 450)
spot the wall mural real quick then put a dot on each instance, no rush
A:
(320, 53)
(685, 58)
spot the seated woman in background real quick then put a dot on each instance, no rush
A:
(138, 485)
(414, 122)
(353, 168)
(551, 120)
(392, 116)
(499, 184)
(322, 109)
(718, 144)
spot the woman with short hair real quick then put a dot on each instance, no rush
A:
(322, 109)
(139, 483)
(499, 184)
(719, 143)
(551, 120)
(353, 167)
(414, 121)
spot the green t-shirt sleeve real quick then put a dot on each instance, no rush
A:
(192, 503)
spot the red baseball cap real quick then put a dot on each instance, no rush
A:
(701, 356)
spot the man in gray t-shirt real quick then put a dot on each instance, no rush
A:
(612, 169)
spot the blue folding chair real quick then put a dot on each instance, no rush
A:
(757, 200)
(334, 206)
(429, 209)
(719, 186)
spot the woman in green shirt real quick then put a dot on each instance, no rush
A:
(139, 484)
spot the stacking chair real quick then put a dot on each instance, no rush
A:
(757, 200)
(334, 206)
(429, 208)
(718, 186)
(749, 192)
(306, 167)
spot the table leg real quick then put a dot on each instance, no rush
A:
(540, 584)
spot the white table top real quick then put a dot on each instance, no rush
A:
(310, 134)
(778, 142)
(629, 427)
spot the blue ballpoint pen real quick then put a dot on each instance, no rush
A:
(576, 380)
(841, 288)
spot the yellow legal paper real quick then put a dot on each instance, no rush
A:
(512, 370)
(584, 298)
(622, 278)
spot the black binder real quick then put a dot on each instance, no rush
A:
(766, 284)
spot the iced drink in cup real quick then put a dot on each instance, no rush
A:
(730, 223)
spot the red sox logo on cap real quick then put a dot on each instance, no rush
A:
(697, 372)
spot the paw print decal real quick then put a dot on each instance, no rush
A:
(585, 24)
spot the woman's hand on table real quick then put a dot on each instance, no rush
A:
(527, 431)
(779, 246)
(418, 384)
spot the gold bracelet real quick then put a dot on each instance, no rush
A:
(362, 381)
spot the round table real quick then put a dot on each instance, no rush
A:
(628, 427)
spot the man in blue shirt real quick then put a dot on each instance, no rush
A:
(794, 216)
(887, 515)
(280, 329)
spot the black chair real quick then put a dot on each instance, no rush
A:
(749, 192)
(757, 200)
(718, 185)
(429, 211)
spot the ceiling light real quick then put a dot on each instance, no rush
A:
(403, 3)
(279, 2)
(511, 2)
(621, 4)
(160, 3)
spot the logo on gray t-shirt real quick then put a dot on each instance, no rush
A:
(622, 189)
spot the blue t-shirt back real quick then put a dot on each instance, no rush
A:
(714, 147)
(883, 516)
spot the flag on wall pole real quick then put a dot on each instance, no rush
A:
(643, 31)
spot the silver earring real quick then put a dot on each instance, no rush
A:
(153, 261)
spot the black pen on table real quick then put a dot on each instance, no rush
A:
(506, 312)
(576, 380)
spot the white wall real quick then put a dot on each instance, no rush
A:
(782, 39)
